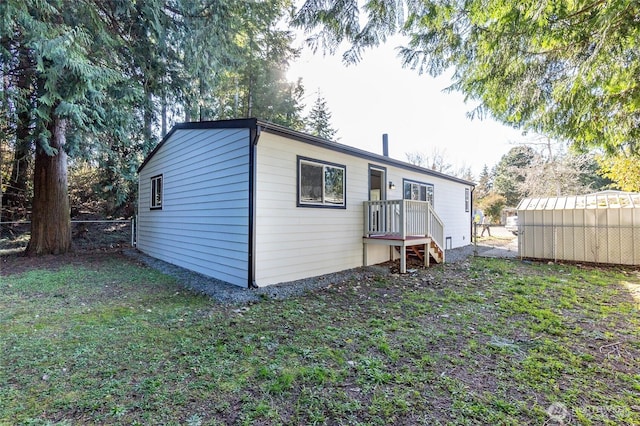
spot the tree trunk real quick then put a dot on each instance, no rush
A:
(51, 216)
(15, 198)
(147, 115)
(187, 110)
(163, 130)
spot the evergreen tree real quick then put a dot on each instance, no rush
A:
(17, 131)
(511, 173)
(146, 60)
(256, 85)
(565, 69)
(485, 183)
(96, 80)
(72, 60)
(207, 38)
(319, 120)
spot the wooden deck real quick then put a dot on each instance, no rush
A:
(404, 224)
(394, 237)
(402, 244)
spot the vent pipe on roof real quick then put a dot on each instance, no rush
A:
(385, 144)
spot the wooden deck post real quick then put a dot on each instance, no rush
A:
(426, 254)
(364, 254)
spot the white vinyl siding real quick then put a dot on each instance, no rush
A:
(204, 222)
(294, 243)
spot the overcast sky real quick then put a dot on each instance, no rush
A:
(378, 96)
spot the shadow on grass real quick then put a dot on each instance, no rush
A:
(106, 340)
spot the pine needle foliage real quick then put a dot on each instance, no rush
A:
(569, 70)
(319, 120)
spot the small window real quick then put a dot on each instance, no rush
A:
(418, 191)
(467, 200)
(156, 192)
(320, 184)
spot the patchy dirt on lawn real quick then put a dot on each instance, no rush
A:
(216, 289)
(473, 341)
(88, 234)
(17, 263)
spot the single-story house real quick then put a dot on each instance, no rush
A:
(254, 204)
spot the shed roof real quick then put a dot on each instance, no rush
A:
(597, 200)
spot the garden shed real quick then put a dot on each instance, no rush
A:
(603, 227)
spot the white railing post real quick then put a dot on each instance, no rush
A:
(402, 218)
(403, 222)
(436, 227)
(427, 218)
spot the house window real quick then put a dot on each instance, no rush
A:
(320, 184)
(418, 191)
(467, 200)
(156, 192)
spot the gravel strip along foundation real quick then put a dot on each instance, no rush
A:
(231, 294)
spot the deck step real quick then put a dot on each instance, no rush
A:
(417, 252)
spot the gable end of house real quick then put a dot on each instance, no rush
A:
(243, 123)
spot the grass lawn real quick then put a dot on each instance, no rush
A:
(487, 342)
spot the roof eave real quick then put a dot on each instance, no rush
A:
(252, 123)
(314, 140)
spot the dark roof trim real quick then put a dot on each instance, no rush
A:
(244, 123)
(335, 146)
(253, 123)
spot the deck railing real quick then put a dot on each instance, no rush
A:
(402, 219)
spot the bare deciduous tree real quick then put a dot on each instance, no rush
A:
(436, 161)
(556, 171)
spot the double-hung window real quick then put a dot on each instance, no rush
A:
(321, 184)
(156, 192)
(418, 191)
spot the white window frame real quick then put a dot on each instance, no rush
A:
(156, 192)
(322, 199)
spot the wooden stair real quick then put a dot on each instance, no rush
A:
(436, 252)
(417, 252)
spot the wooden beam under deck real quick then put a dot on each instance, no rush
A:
(402, 243)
